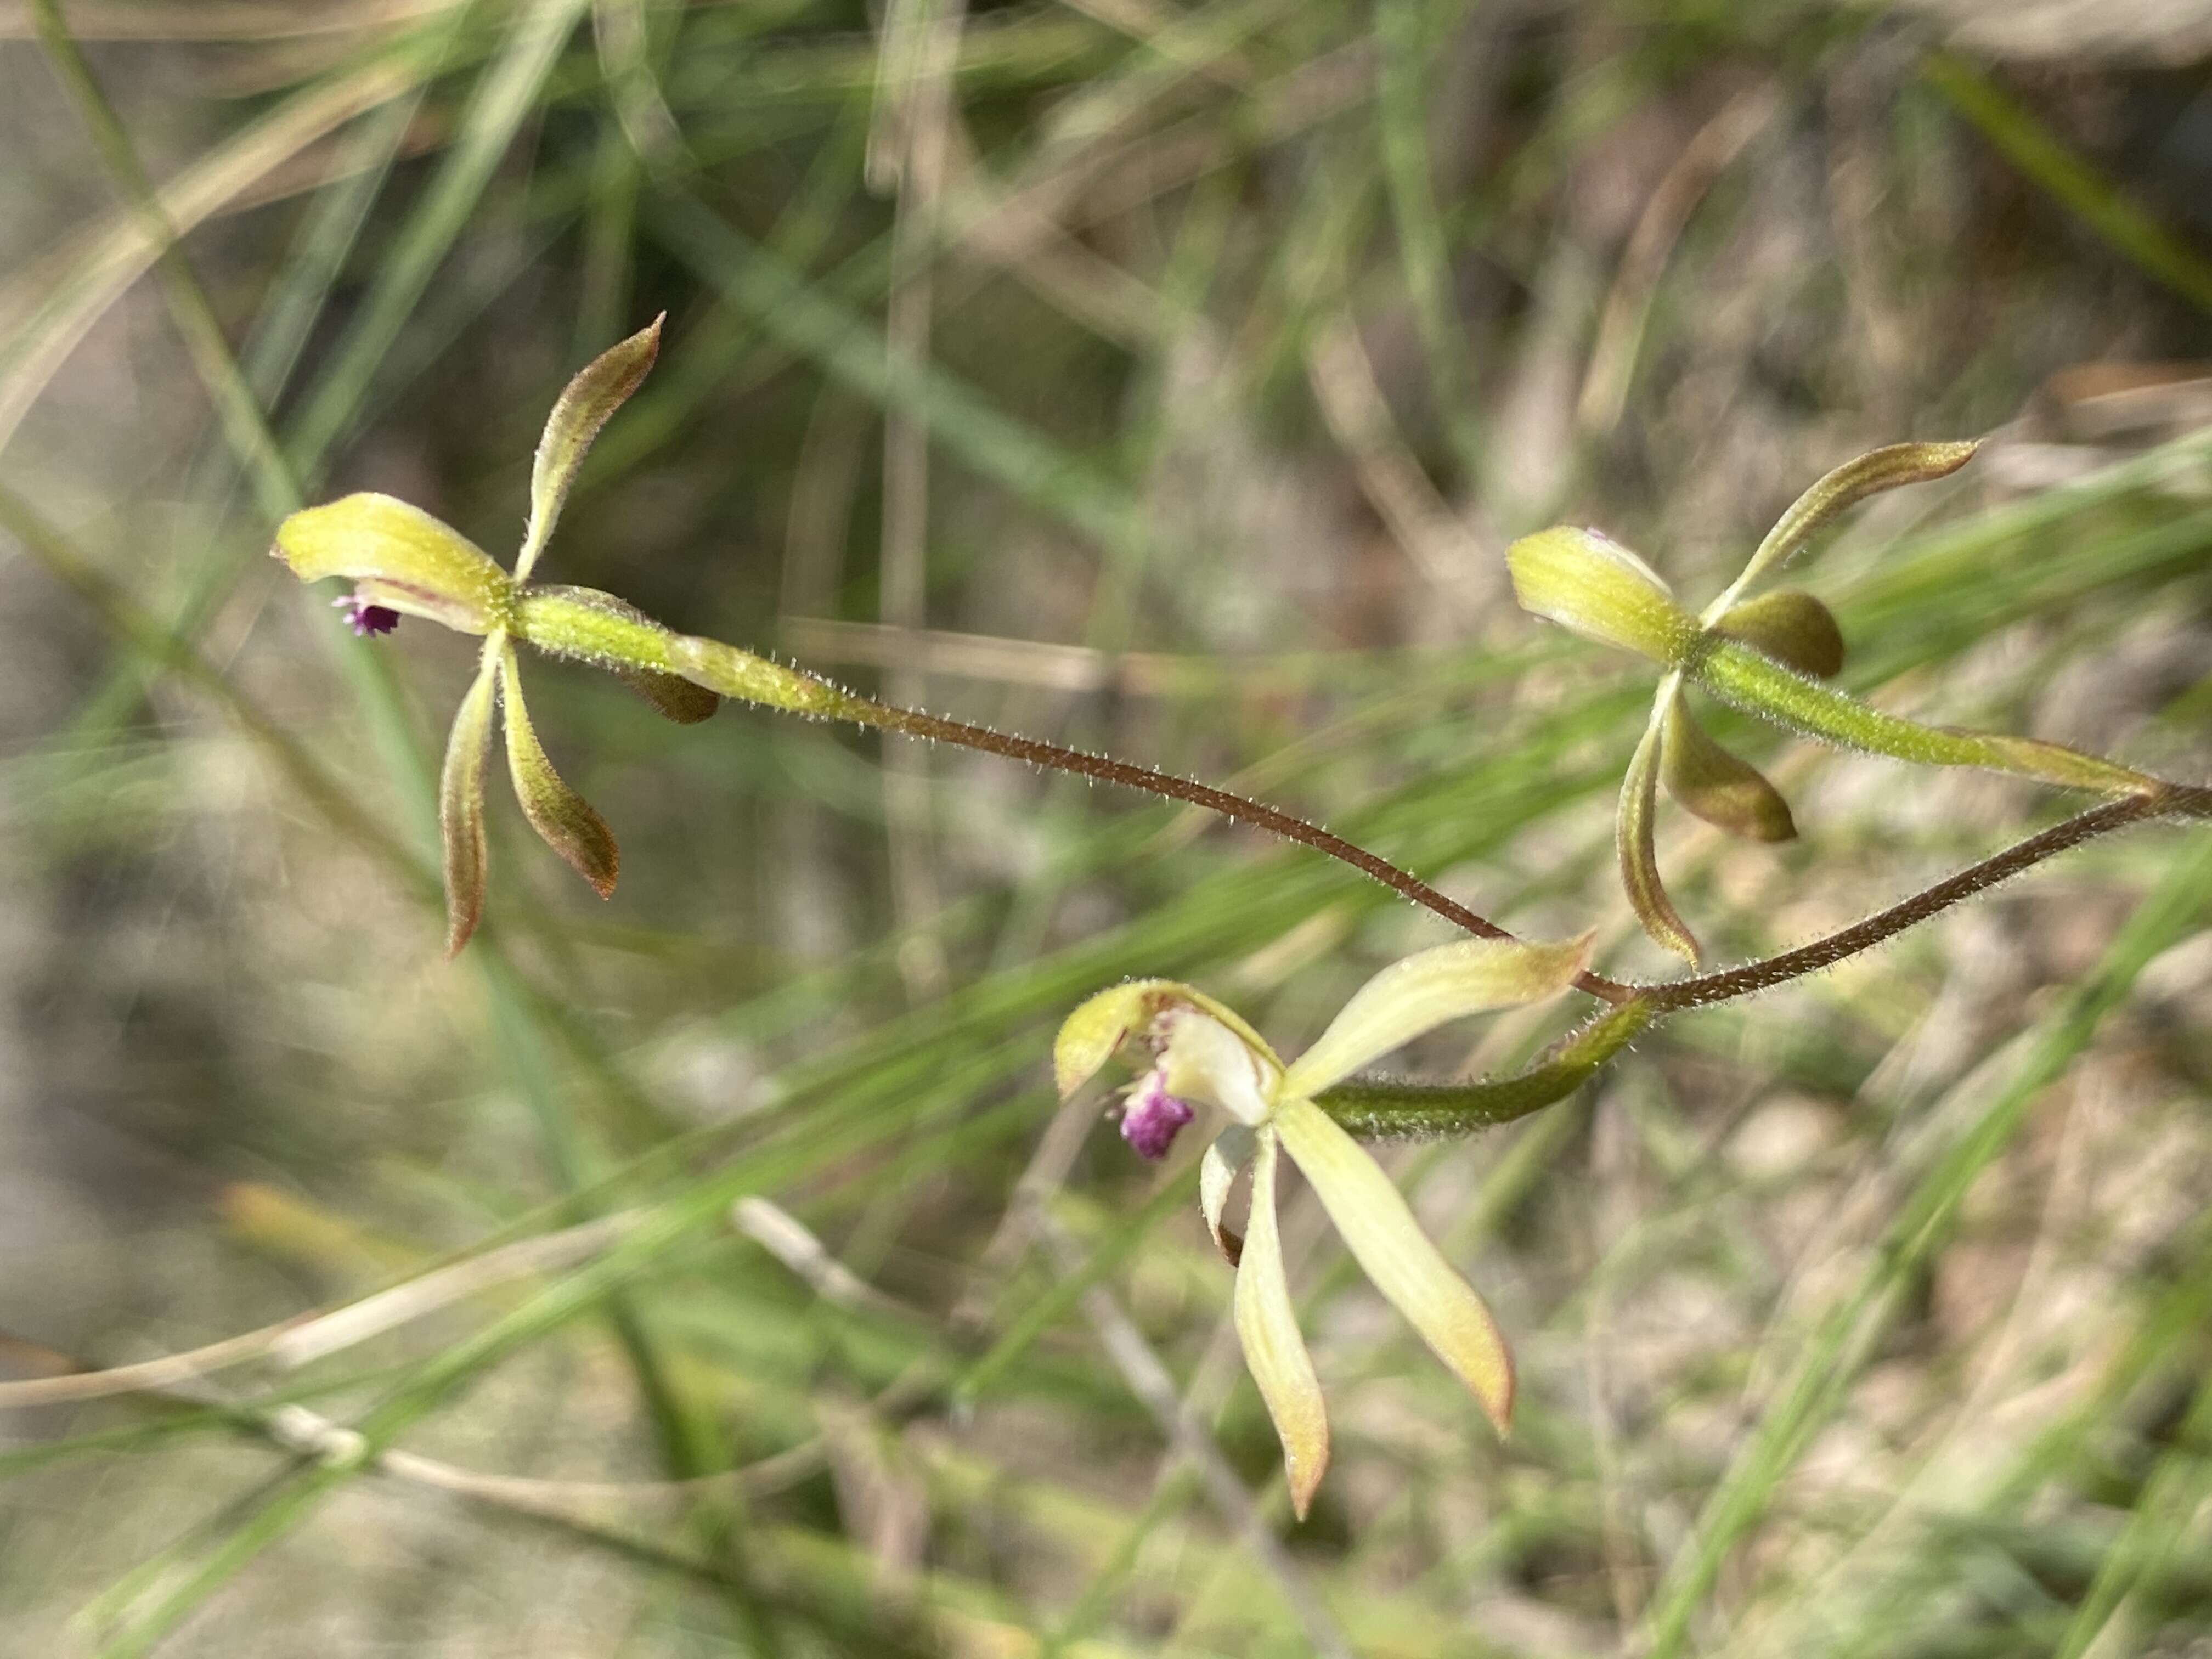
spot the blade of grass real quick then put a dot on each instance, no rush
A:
(2073, 182)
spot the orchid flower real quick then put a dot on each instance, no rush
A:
(1200, 1054)
(405, 563)
(1765, 655)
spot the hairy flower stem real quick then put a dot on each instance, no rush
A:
(1387, 1108)
(2169, 800)
(551, 618)
(740, 674)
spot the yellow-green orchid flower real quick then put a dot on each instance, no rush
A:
(405, 563)
(1768, 656)
(1199, 1053)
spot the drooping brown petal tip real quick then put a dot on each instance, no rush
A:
(1724, 791)
(1637, 844)
(563, 819)
(460, 807)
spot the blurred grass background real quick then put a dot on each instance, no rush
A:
(1164, 377)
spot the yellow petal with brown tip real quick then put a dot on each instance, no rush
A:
(1274, 1351)
(563, 818)
(461, 803)
(1394, 1252)
(599, 388)
(1635, 843)
(1723, 790)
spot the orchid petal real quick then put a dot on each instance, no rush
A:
(562, 817)
(600, 388)
(1393, 1251)
(399, 557)
(1790, 626)
(1593, 586)
(1206, 1061)
(1101, 1022)
(1217, 1172)
(1425, 991)
(1870, 474)
(461, 806)
(1274, 1351)
(1639, 852)
(1723, 790)
(597, 628)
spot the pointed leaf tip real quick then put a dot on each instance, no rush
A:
(460, 806)
(599, 388)
(563, 818)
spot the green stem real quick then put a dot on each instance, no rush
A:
(1382, 1108)
(1758, 684)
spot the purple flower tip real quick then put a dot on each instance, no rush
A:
(366, 618)
(1150, 1120)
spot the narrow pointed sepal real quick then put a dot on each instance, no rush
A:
(1888, 468)
(1216, 1173)
(1730, 793)
(1790, 626)
(1592, 585)
(600, 388)
(398, 557)
(461, 806)
(563, 818)
(1393, 1251)
(1274, 1351)
(1427, 989)
(1637, 843)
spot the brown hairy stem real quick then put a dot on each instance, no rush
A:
(2172, 800)
(2168, 800)
(913, 723)
(723, 668)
